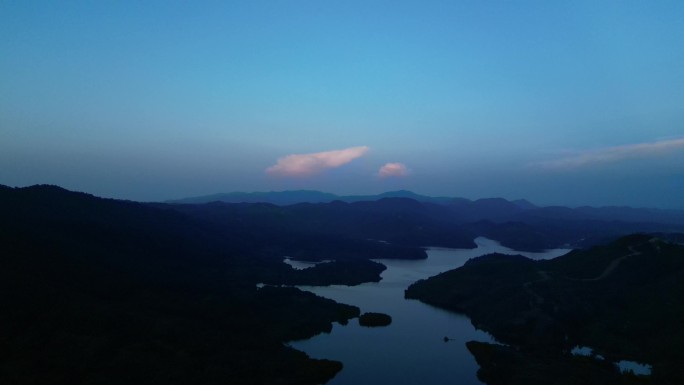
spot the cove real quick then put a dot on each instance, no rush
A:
(412, 349)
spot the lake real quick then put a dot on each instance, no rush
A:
(412, 349)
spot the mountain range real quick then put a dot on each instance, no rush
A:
(290, 197)
(518, 224)
(494, 209)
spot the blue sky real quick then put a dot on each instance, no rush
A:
(558, 102)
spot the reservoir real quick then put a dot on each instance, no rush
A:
(412, 349)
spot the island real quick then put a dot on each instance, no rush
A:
(374, 319)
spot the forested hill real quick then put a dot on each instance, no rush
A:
(111, 292)
(391, 221)
(624, 299)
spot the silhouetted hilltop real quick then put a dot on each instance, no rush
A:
(492, 209)
(624, 299)
(524, 204)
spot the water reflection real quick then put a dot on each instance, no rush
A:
(301, 265)
(625, 366)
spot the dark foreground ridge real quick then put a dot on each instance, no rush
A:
(624, 299)
(97, 291)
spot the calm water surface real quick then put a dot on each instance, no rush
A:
(412, 349)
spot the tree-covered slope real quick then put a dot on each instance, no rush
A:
(98, 291)
(624, 299)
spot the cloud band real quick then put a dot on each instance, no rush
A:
(613, 154)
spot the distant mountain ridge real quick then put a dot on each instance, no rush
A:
(290, 197)
(279, 198)
(486, 209)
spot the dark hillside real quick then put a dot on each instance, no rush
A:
(388, 228)
(624, 299)
(409, 220)
(110, 292)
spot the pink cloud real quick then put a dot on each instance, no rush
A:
(301, 165)
(393, 169)
(613, 154)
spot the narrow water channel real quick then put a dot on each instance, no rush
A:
(412, 349)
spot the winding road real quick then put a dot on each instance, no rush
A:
(613, 265)
(544, 275)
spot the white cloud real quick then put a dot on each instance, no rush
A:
(612, 154)
(302, 165)
(393, 169)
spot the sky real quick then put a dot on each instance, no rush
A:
(558, 102)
